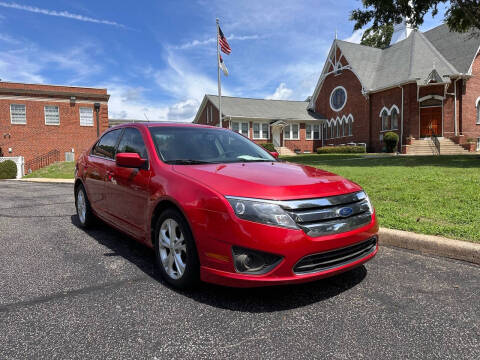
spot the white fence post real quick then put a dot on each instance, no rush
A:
(19, 161)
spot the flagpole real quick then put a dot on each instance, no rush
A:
(218, 75)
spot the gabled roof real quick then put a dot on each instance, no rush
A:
(459, 49)
(409, 60)
(261, 108)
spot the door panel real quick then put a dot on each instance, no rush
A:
(128, 188)
(431, 121)
(95, 182)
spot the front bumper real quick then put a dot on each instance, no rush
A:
(293, 245)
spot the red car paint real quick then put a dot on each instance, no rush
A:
(127, 198)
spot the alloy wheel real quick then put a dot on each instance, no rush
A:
(172, 248)
(81, 206)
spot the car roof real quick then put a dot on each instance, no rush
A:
(162, 124)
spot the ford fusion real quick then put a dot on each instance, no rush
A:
(219, 208)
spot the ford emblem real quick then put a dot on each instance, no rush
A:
(346, 211)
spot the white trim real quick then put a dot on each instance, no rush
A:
(80, 115)
(396, 108)
(240, 127)
(344, 103)
(312, 131)
(384, 109)
(291, 131)
(11, 120)
(45, 115)
(477, 111)
(260, 130)
(428, 97)
(470, 69)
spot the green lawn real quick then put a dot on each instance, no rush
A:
(437, 195)
(58, 170)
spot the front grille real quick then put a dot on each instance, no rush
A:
(336, 258)
(330, 215)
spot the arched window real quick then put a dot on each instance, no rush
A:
(325, 131)
(394, 119)
(350, 125)
(478, 111)
(385, 120)
(338, 129)
(332, 130)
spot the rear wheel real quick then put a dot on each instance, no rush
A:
(84, 211)
(175, 249)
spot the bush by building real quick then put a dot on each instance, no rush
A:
(8, 169)
(341, 150)
(268, 146)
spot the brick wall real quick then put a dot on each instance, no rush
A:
(468, 112)
(35, 138)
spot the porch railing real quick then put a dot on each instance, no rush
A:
(42, 160)
(436, 142)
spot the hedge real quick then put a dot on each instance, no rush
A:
(268, 146)
(8, 169)
(341, 149)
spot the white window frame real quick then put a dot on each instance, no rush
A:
(240, 127)
(384, 112)
(311, 132)
(477, 108)
(261, 132)
(45, 114)
(290, 133)
(80, 114)
(24, 122)
(344, 103)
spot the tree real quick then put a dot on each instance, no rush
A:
(379, 38)
(461, 15)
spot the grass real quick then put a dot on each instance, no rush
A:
(58, 170)
(436, 195)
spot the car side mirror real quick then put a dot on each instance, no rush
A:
(274, 154)
(129, 160)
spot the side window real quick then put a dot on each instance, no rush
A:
(132, 142)
(106, 145)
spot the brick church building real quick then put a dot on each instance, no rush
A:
(424, 86)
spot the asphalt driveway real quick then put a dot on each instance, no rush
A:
(67, 293)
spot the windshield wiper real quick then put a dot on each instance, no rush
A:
(187, 162)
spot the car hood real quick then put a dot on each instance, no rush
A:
(268, 180)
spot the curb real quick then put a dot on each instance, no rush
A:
(47, 180)
(433, 245)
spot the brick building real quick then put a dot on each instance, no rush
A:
(423, 84)
(46, 123)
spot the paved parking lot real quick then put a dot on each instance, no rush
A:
(67, 293)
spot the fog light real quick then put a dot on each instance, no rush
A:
(253, 261)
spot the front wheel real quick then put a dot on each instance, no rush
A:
(175, 250)
(84, 211)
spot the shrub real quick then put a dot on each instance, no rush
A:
(391, 141)
(8, 169)
(268, 146)
(341, 150)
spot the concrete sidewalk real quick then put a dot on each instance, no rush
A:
(47, 180)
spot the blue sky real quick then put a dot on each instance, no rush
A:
(158, 58)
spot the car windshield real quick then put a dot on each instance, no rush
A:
(196, 145)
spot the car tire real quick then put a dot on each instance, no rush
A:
(84, 210)
(175, 250)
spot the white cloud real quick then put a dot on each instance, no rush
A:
(356, 36)
(183, 111)
(281, 93)
(8, 39)
(64, 14)
(195, 43)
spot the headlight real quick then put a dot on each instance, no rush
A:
(261, 212)
(370, 206)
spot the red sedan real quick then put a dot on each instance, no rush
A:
(217, 207)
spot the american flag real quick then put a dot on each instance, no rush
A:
(222, 40)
